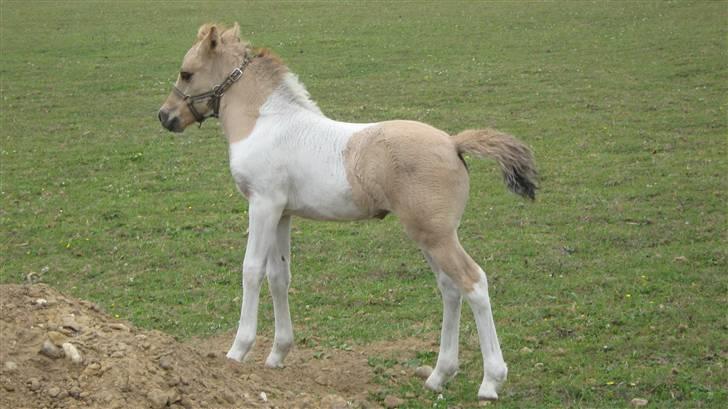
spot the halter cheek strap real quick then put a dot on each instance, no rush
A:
(213, 97)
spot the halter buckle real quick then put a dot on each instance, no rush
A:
(236, 74)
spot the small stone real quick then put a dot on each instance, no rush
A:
(105, 396)
(392, 402)
(525, 350)
(33, 384)
(56, 337)
(186, 403)
(638, 402)
(321, 380)
(50, 350)
(75, 392)
(334, 402)
(173, 381)
(119, 326)
(72, 353)
(69, 322)
(255, 379)
(7, 384)
(263, 397)
(54, 391)
(10, 366)
(229, 397)
(158, 397)
(211, 355)
(423, 372)
(41, 302)
(165, 362)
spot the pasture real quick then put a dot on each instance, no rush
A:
(611, 286)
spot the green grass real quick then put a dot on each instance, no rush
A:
(615, 277)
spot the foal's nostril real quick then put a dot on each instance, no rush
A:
(163, 116)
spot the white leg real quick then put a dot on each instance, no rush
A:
(264, 217)
(494, 368)
(447, 359)
(279, 278)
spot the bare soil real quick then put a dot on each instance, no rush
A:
(121, 366)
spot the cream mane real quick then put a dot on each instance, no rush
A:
(296, 92)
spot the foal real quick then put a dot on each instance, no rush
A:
(287, 159)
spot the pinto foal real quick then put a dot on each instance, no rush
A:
(287, 158)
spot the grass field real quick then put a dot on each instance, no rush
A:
(615, 278)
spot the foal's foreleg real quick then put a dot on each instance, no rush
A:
(264, 217)
(447, 359)
(279, 279)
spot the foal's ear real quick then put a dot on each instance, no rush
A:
(232, 34)
(209, 36)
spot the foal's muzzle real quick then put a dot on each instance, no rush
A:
(170, 123)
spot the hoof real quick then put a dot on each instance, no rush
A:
(433, 385)
(487, 393)
(238, 355)
(489, 390)
(234, 356)
(437, 380)
(273, 363)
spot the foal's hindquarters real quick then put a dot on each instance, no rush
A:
(416, 172)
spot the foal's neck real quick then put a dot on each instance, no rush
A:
(265, 78)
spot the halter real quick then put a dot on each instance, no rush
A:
(213, 97)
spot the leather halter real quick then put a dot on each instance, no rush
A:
(213, 97)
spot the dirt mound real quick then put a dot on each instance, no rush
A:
(59, 352)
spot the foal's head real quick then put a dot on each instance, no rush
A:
(215, 53)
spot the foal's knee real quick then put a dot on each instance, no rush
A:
(478, 296)
(448, 289)
(279, 279)
(253, 273)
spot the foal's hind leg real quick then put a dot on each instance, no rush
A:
(447, 359)
(449, 255)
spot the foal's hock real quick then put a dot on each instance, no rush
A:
(287, 158)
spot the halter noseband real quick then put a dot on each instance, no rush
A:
(213, 97)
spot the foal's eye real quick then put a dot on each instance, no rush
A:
(186, 76)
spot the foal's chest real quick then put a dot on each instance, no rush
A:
(309, 179)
